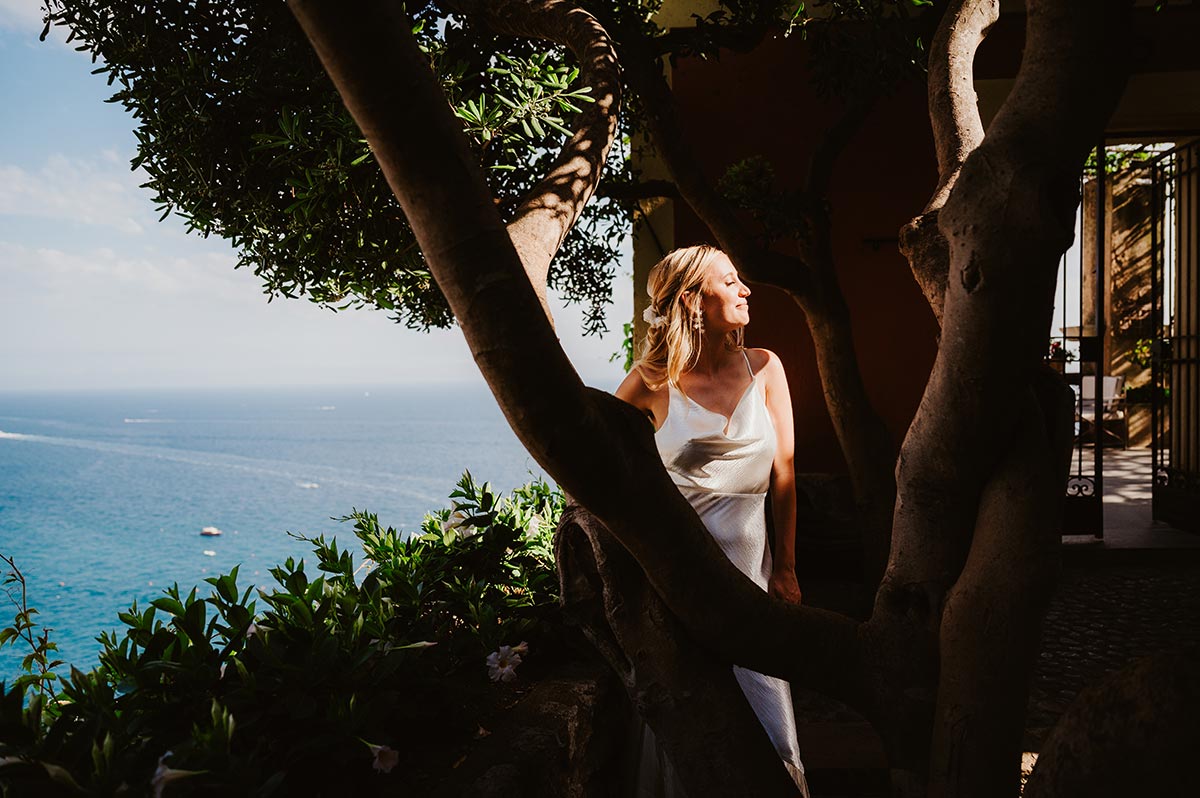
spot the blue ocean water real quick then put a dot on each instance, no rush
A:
(103, 494)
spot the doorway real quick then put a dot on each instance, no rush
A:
(1124, 336)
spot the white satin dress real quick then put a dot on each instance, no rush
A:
(723, 467)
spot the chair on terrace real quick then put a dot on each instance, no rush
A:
(1112, 407)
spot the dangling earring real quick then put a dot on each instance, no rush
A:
(698, 321)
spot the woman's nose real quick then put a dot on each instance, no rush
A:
(745, 290)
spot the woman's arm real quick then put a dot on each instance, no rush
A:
(783, 481)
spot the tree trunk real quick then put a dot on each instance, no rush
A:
(684, 692)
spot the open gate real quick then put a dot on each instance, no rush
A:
(1176, 352)
(1075, 349)
(1126, 332)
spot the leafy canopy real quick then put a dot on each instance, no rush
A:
(242, 134)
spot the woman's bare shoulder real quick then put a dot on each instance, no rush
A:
(763, 360)
(641, 383)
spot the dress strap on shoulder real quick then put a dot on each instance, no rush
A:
(749, 368)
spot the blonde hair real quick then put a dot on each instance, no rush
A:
(672, 347)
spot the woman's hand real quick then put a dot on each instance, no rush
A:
(783, 585)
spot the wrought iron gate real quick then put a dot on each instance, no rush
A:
(1175, 417)
(1075, 349)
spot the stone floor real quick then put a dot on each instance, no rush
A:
(1103, 617)
(1127, 513)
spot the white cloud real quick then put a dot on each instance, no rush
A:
(100, 192)
(102, 316)
(21, 15)
(95, 317)
(58, 276)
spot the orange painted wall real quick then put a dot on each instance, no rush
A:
(763, 104)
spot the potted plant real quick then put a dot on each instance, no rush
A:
(1058, 355)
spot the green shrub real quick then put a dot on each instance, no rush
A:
(338, 677)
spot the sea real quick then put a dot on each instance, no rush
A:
(103, 495)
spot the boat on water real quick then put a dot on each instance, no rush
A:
(210, 532)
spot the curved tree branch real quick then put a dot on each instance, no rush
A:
(953, 105)
(690, 699)
(836, 138)
(641, 190)
(957, 131)
(546, 215)
(1008, 218)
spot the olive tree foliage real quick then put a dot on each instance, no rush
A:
(241, 133)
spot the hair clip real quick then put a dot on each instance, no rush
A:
(651, 317)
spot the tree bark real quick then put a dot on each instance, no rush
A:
(689, 698)
(964, 508)
(957, 131)
(550, 210)
(991, 629)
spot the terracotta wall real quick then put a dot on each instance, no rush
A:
(763, 104)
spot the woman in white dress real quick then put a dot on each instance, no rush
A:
(723, 425)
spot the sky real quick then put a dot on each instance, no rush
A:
(96, 293)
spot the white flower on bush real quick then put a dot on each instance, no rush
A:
(502, 664)
(457, 522)
(385, 758)
(165, 775)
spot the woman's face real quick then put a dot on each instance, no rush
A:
(723, 297)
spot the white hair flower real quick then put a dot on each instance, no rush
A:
(652, 317)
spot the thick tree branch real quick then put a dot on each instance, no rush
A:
(642, 190)
(867, 445)
(991, 628)
(690, 699)
(957, 131)
(953, 105)
(834, 141)
(546, 215)
(598, 448)
(924, 246)
(1008, 218)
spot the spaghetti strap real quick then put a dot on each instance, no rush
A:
(748, 367)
